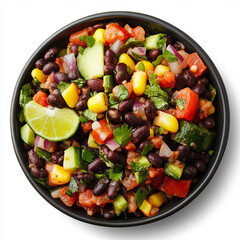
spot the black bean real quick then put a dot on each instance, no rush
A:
(74, 49)
(200, 166)
(38, 173)
(93, 150)
(191, 157)
(109, 57)
(184, 152)
(180, 81)
(60, 160)
(208, 123)
(40, 63)
(85, 90)
(56, 100)
(117, 157)
(194, 182)
(96, 165)
(140, 134)
(121, 73)
(150, 110)
(61, 77)
(207, 94)
(199, 89)
(137, 213)
(189, 77)
(203, 80)
(53, 86)
(153, 54)
(100, 187)
(50, 67)
(189, 172)
(125, 105)
(177, 46)
(109, 68)
(51, 54)
(56, 156)
(143, 144)
(169, 39)
(132, 120)
(114, 116)
(82, 102)
(27, 147)
(123, 190)
(86, 178)
(96, 84)
(155, 160)
(114, 189)
(108, 212)
(206, 158)
(73, 75)
(35, 160)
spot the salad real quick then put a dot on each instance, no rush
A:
(119, 121)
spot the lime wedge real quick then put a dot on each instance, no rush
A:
(53, 125)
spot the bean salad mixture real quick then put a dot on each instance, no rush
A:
(119, 121)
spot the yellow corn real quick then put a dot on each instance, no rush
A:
(146, 207)
(211, 110)
(70, 95)
(91, 142)
(59, 175)
(147, 65)
(156, 199)
(151, 133)
(167, 121)
(139, 82)
(99, 35)
(124, 58)
(39, 75)
(160, 70)
(98, 103)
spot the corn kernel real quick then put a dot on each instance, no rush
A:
(193, 68)
(146, 207)
(147, 65)
(70, 95)
(59, 175)
(156, 199)
(139, 82)
(91, 142)
(151, 133)
(99, 35)
(167, 121)
(124, 58)
(211, 110)
(98, 103)
(39, 75)
(160, 70)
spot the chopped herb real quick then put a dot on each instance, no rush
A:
(112, 100)
(162, 42)
(80, 82)
(93, 93)
(43, 181)
(180, 103)
(122, 134)
(114, 71)
(100, 176)
(26, 94)
(139, 165)
(159, 103)
(105, 159)
(21, 116)
(122, 93)
(87, 156)
(152, 78)
(83, 119)
(90, 40)
(62, 52)
(43, 154)
(73, 187)
(140, 196)
(147, 148)
(138, 57)
(161, 130)
(80, 49)
(35, 81)
(90, 115)
(213, 91)
(62, 86)
(210, 152)
(169, 56)
(129, 70)
(130, 43)
(158, 60)
(115, 173)
(141, 66)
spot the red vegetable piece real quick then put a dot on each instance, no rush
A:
(41, 98)
(194, 59)
(66, 199)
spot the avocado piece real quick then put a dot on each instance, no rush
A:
(91, 142)
(174, 171)
(108, 83)
(151, 42)
(91, 62)
(120, 204)
(72, 158)
(27, 135)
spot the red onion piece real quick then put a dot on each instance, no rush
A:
(165, 151)
(141, 51)
(116, 45)
(45, 144)
(172, 50)
(53, 77)
(96, 125)
(70, 61)
(138, 109)
(112, 145)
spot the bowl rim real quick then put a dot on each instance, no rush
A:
(222, 144)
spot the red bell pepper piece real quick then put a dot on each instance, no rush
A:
(102, 133)
(66, 199)
(194, 59)
(41, 98)
(176, 188)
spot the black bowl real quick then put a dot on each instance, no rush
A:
(153, 25)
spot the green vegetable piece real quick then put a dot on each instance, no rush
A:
(90, 40)
(27, 135)
(73, 187)
(141, 66)
(80, 82)
(196, 137)
(147, 148)
(72, 159)
(115, 173)
(88, 114)
(180, 103)
(169, 56)
(105, 160)
(138, 57)
(87, 156)
(91, 142)
(44, 154)
(130, 43)
(122, 134)
(108, 83)
(141, 176)
(159, 103)
(140, 196)
(174, 171)
(151, 42)
(80, 49)
(160, 130)
(111, 100)
(43, 182)
(158, 60)
(122, 93)
(120, 204)
(26, 94)
(62, 52)
(213, 91)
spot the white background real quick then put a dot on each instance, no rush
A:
(24, 25)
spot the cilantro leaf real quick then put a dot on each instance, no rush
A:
(140, 196)
(152, 78)
(80, 49)
(80, 82)
(35, 81)
(139, 165)
(90, 40)
(62, 86)
(73, 187)
(210, 152)
(83, 119)
(162, 43)
(122, 93)
(159, 103)
(213, 91)
(158, 60)
(122, 134)
(62, 52)
(43, 154)
(100, 175)
(155, 91)
(105, 159)
(180, 103)
(115, 173)
(26, 94)
(141, 66)
(147, 148)
(111, 100)
(21, 116)
(169, 56)
(90, 115)
(87, 156)
(138, 57)
(43, 182)
(161, 130)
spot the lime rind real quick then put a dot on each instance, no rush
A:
(53, 125)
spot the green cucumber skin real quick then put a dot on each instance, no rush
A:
(173, 171)
(196, 137)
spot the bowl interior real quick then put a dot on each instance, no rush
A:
(153, 25)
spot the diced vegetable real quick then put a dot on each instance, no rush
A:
(120, 204)
(157, 199)
(39, 75)
(66, 199)
(44, 144)
(152, 41)
(160, 70)
(194, 60)
(98, 103)
(71, 95)
(145, 207)
(108, 83)
(41, 98)
(99, 35)
(174, 170)
(139, 81)
(27, 135)
(71, 158)
(91, 142)
(124, 58)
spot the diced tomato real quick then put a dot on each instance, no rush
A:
(102, 199)
(129, 147)
(132, 156)
(60, 63)
(132, 206)
(66, 199)
(127, 85)
(168, 80)
(130, 182)
(176, 188)
(138, 32)
(155, 176)
(153, 211)
(74, 37)
(103, 133)
(203, 106)
(190, 104)
(46, 84)
(41, 98)
(194, 59)
(114, 31)
(157, 142)
(86, 126)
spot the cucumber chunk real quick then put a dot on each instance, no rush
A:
(120, 204)
(108, 83)
(196, 137)
(71, 158)
(152, 41)
(173, 170)
(27, 135)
